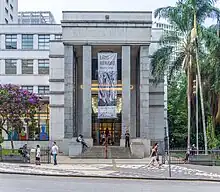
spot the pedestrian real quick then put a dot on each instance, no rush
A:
(154, 156)
(38, 155)
(127, 139)
(107, 133)
(193, 150)
(54, 152)
(25, 154)
(82, 141)
(103, 138)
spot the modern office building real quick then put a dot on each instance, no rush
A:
(8, 11)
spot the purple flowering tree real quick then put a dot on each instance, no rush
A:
(16, 104)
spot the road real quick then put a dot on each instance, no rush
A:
(18, 183)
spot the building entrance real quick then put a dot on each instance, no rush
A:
(101, 125)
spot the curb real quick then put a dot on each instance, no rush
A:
(112, 177)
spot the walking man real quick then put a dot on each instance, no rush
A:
(127, 139)
(54, 152)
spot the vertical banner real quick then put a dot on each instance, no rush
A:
(107, 80)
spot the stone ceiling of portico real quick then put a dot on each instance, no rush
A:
(113, 48)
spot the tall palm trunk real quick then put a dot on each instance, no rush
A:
(197, 116)
(189, 105)
(199, 77)
(201, 98)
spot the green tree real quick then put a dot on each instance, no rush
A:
(181, 17)
(15, 105)
(211, 71)
(177, 111)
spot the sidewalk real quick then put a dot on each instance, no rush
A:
(67, 160)
(113, 170)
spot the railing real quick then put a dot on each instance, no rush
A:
(45, 155)
(14, 156)
(179, 156)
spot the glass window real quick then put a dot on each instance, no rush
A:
(27, 66)
(6, 21)
(11, 17)
(28, 88)
(43, 90)
(58, 36)
(27, 42)
(7, 1)
(10, 66)
(43, 66)
(41, 129)
(11, 41)
(43, 41)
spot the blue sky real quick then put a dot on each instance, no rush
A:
(57, 6)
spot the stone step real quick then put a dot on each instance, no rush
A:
(98, 152)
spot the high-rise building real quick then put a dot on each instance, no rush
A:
(8, 11)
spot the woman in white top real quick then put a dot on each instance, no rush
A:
(38, 155)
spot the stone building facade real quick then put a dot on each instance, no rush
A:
(74, 83)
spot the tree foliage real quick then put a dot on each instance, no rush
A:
(181, 17)
(177, 111)
(16, 105)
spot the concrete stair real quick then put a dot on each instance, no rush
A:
(114, 152)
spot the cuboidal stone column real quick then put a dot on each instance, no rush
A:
(126, 84)
(87, 103)
(144, 91)
(69, 63)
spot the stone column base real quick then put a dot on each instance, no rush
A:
(122, 142)
(89, 141)
(145, 146)
(66, 143)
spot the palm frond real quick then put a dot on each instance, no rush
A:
(176, 65)
(163, 12)
(169, 38)
(160, 61)
(212, 41)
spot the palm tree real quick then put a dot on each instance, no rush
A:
(211, 71)
(181, 17)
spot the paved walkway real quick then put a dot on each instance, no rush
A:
(118, 170)
(67, 160)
